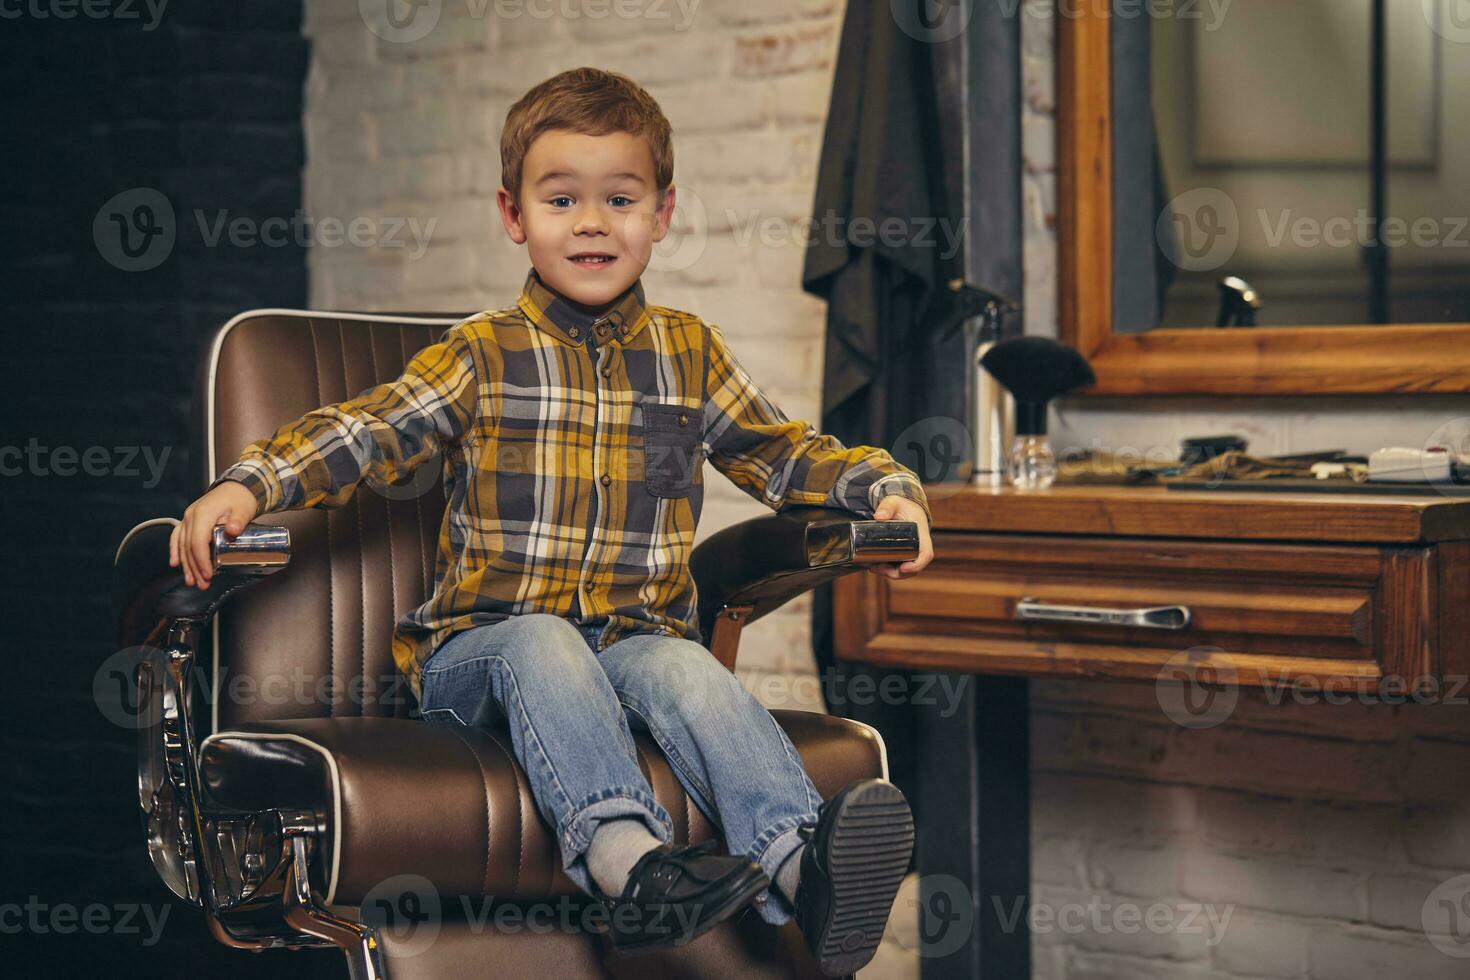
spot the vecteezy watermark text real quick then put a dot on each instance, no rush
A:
(137, 229)
(35, 459)
(1099, 917)
(90, 9)
(65, 918)
(303, 229)
(1211, 13)
(115, 690)
(1201, 687)
(407, 21)
(837, 230)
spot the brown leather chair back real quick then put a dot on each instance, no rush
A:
(314, 640)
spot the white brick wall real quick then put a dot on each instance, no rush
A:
(1322, 829)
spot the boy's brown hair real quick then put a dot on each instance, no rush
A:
(589, 101)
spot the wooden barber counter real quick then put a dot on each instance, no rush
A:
(1262, 588)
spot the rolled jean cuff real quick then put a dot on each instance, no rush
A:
(579, 825)
(771, 850)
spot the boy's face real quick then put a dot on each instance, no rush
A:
(587, 195)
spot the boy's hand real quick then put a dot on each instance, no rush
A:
(896, 508)
(231, 504)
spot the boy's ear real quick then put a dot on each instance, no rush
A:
(664, 215)
(510, 214)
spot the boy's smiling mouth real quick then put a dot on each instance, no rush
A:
(593, 260)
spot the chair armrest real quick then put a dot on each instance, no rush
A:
(767, 561)
(160, 618)
(146, 589)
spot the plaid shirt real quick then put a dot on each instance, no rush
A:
(571, 450)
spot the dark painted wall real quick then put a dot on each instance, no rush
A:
(193, 108)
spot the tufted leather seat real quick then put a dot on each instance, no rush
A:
(449, 802)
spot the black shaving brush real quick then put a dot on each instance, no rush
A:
(1035, 370)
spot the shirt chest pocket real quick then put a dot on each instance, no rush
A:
(671, 437)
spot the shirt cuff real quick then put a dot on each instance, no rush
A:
(900, 485)
(258, 479)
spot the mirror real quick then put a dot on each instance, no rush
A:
(1278, 143)
(1291, 163)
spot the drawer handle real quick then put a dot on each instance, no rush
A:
(1151, 617)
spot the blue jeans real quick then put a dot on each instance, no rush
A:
(571, 710)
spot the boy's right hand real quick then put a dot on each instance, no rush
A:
(231, 504)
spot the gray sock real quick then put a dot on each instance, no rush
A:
(616, 846)
(788, 876)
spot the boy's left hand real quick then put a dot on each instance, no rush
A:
(896, 508)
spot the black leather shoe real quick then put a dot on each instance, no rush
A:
(677, 892)
(856, 856)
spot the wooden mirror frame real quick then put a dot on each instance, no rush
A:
(1327, 360)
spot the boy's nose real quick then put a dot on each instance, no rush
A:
(590, 220)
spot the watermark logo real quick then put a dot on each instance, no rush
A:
(1452, 437)
(424, 464)
(1198, 688)
(406, 908)
(676, 683)
(1446, 917)
(115, 687)
(934, 448)
(946, 916)
(400, 21)
(947, 912)
(1450, 19)
(135, 230)
(687, 237)
(1200, 229)
(932, 21)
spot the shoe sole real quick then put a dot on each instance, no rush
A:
(752, 883)
(867, 855)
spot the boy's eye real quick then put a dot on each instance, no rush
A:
(561, 197)
(621, 197)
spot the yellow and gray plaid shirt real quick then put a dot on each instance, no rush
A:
(571, 449)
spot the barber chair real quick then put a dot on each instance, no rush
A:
(289, 788)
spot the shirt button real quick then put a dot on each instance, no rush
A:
(606, 479)
(575, 332)
(607, 372)
(683, 419)
(587, 587)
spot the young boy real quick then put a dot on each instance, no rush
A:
(573, 426)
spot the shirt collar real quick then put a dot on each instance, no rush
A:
(552, 312)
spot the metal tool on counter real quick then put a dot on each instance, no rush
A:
(988, 406)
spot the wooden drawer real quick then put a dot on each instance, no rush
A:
(1270, 612)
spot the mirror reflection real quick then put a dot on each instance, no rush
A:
(1292, 163)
